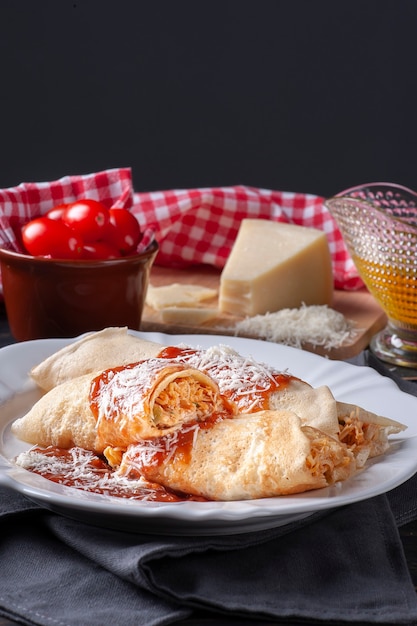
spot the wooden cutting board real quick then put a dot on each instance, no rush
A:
(359, 307)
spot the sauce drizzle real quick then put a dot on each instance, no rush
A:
(82, 469)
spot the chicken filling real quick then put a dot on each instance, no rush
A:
(186, 400)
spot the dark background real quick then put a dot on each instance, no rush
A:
(297, 95)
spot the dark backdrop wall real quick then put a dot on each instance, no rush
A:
(298, 95)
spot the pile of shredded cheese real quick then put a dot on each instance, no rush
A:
(316, 325)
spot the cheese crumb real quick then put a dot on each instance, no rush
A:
(317, 325)
(188, 315)
(178, 295)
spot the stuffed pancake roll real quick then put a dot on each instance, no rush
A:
(93, 353)
(120, 406)
(259, 455)
(62, 417)
(365, 433)
(151, 399)
(253, 386)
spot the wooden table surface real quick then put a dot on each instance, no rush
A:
(408, 535)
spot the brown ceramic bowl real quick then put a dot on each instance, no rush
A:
(54, 298)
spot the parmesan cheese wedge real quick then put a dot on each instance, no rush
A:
(273, 266)
(188, 316)
(178, 295)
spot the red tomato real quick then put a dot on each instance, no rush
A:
(89, 217)
(45, 237)
(126, 233)
(56, 212)
(100, 250)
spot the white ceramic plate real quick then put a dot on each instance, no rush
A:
(350, 383)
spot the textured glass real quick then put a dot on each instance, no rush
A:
(379, 225)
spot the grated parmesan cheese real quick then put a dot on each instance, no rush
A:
(178, 295)
(74, 469)
(317, 325)
(127, 389)
(241, 378)
(146, 452)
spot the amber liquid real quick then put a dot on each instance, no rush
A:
(393, 288)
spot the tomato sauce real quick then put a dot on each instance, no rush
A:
(176, 447)
(86, 471)
(101, 380)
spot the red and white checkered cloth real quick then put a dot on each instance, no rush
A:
(20, 204)
(192, 226)
(196, 226)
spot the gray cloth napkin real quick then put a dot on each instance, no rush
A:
(345, 565)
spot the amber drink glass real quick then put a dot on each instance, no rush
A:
(378, 222)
